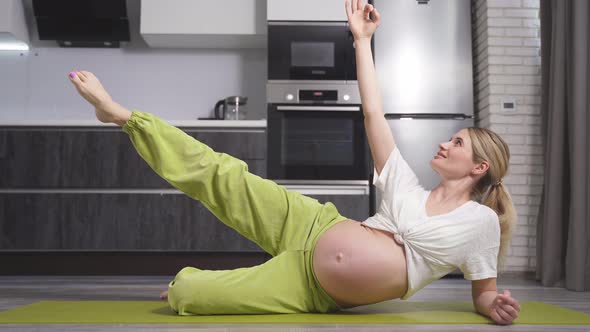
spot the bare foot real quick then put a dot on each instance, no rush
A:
(106, 109)
(164, 295)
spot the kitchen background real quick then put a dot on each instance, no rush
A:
(181, 84)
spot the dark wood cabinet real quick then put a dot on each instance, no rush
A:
(120, 222)
(87, 189)
(102, 158)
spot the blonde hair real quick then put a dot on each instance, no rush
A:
(490, 190)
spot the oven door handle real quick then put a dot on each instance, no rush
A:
(326, 189)
(283, 108)
(329, 190)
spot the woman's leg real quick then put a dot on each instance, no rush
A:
(281, 285)
(278, 220)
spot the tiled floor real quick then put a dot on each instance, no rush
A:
(17, 291)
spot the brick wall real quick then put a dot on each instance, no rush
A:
(507, 67)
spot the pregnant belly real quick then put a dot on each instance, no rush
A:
(359, 265)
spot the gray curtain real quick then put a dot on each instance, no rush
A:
(563, 234)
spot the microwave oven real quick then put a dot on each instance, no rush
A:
(310, 51)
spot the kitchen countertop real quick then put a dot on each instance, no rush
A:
(176, 123)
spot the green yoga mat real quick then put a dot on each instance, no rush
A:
(393, 312)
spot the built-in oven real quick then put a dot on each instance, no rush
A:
(310, 51)
(316, 134)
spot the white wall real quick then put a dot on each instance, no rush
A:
(176, 84)
(508, 66)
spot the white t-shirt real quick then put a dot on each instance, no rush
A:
(467, 238)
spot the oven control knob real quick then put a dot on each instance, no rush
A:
(346, 97)
(289, 96)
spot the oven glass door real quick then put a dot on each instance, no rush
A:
(310, 52)
(316, 144)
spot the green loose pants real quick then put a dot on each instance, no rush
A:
(284, 223)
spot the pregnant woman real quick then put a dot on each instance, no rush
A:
(323, 261)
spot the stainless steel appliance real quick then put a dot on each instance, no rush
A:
(423, 59)
(313, 138)
(310, 51)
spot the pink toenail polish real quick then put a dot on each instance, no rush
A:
(72, 74)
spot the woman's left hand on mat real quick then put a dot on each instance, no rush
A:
(505, 308)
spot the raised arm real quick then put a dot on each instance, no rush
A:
(501, 307)
(362, 27)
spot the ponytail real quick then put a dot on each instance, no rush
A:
(499, 200)
(489, 190)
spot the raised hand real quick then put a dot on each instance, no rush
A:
(505, 308)
(359, 19)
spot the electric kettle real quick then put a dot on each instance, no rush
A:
(231, 108)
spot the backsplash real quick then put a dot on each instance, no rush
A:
(175, 84)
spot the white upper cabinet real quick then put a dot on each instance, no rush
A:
(306, 10)
(204, 24)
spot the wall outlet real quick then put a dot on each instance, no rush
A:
(508, 105)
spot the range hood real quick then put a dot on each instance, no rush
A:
(82, 23)
(14, 35)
